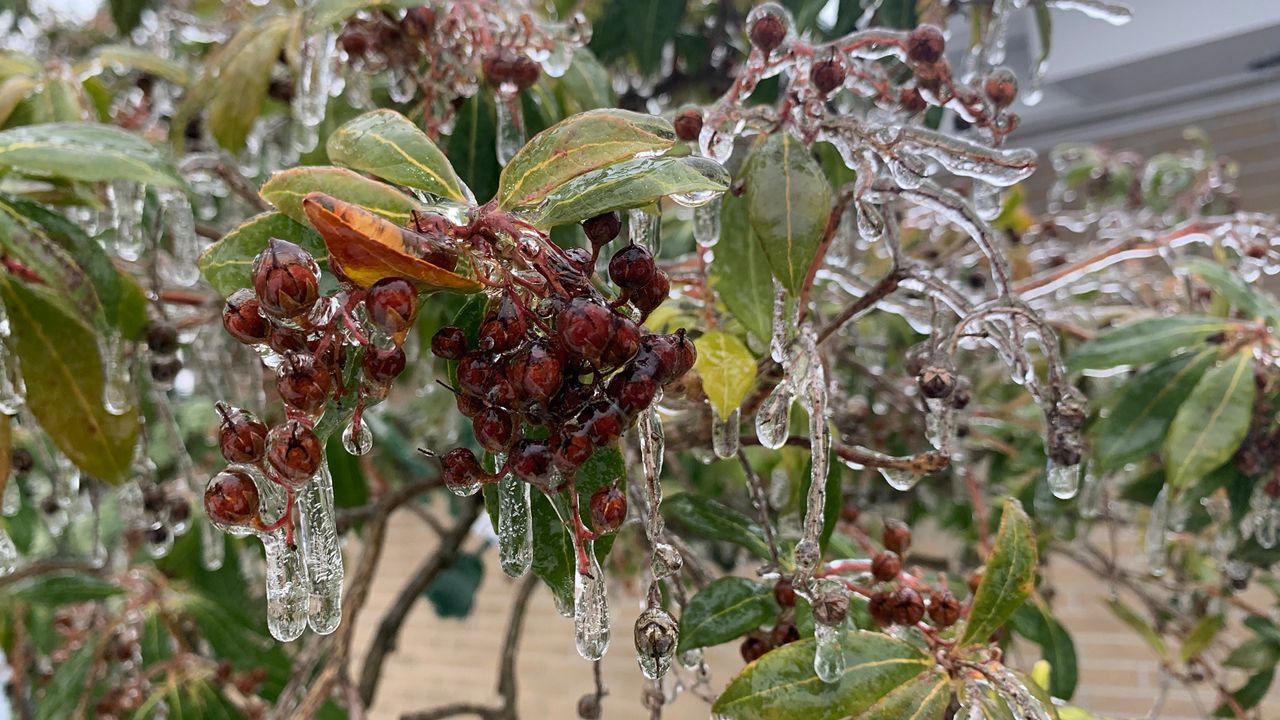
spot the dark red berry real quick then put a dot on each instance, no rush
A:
(392, 304)
(242, 437)
(631, 395)
(603, 423)
(449, 343)
(602, 229)
(652, 294)
(530, 460)
(911, 100)
(573, 396)
(580, 258)
(908, 607)
(494, 429)
(896, 536)
(589, 707)
(469, 405)
(784, 633)
(1001, 86)
(828, 75)
(688, 125)
(572, 449)
(584, 327)
(418, 21)
(944, 608)
(785, 593)
(880, 606)
(22, 461)
(285, 279)
(925, 44)
(294, 452)
(608, 509)
(164, 370)
(536, 372)
(623, 343)
(303, 385)
(285, 339)
(504, 328)
(768, 32)
(753, 648)
(460, 469)
(162, 338)
(231, 498)
(476, 372)
(382, 365)
(631, 267)
(686, 354)
(886, 565)
(507, 68)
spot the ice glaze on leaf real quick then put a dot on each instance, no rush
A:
(1145, 341)
(1009, 578)
(228, 263)
(286, 189)
(84, 151)
(788, 205)
(386, 144)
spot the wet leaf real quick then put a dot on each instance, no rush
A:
(1249, 694)
(1139, 626)
(1035, 622)
(628, 184)
(366, 248)
(386, 144)
(23, 240)
(651, 24)
(84, 151)
(243, 80)
(1141, 416)
(1203, 633)
(788, 205)
(227, 264)
(286, 189)
(1008, 579)
(585, 85)
(1212, 422)
(880, 674)
(127, 57)
(727, 369)
(1145, 341)
(63, 692)
(703, 517)
(725, 610)
(740, 271)
(54, 590)
(1251, 300)
(12, 92)
(63, 372)
(577, 145)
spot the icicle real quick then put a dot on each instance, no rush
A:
(510, 135)
(287, 587)
(212, 547)
(813, 393)
(590, 608)
(1265, 514)
(1091, 494)
(828, 656)
(117, 388)
(321, 551)
(13, 390)
(515, 530)
(706, 223)
(357, 438)
(1154, 543)
(8, 554)
(1064, 480)
(725, 434)
(315, 78)
(652, 440)
(656, 637)
(645, 229)
(12, 502)
(184, 244)
(986, 200)
(940, 424)
(773, 417)
(127, 200)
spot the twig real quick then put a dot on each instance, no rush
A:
(50, 566)
(762, 505)
(388, 502)
(384, 642)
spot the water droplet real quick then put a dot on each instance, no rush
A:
(288, 591)
(898, 479)
(184, 244)
(696, 199)
(357, 438)
(515, 530)
(772, 419)
(1154, 542)
(667, 561)
(645, 229)
(725, 434)
(828, 655)
(706, 222)
(117, 390)
(8, 554)
(806, 555)
(1064, 480)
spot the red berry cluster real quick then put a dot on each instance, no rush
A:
(903, 604)
(285, 316)
(560, 355)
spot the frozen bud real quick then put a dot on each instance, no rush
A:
(688, 125)
(925, 44)
(880, 608)
(915, 359)
(608, 509)
(1065, 448)
(1001, 86)
(243, 320)
(896, 536)
(242, 437)
(936, 382)
(886, 565)
(589, 707)
(162, 338)
(944, 608)
(656, 633)
(517, 71)
(829, 74)
(286, 279)
(911, 100)
(908, 607)
(784, 633)
(231, 498)
(603, 228)
(961, 396)
(769, 27)
(831, 607)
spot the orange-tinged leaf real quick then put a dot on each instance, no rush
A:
(366, 248)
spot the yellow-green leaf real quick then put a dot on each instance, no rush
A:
(84, 151)
(1200, 636)
(58, 353)
(386, 144)
(577, 145)
(1009, 578)
(127, 57)
(727, 369)
(788, 205)
(13, 91)
(1212, 422)
(227, 264)
(286, 189)
(243, 81)
(1140, 626)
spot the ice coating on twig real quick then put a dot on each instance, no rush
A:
(322, 551)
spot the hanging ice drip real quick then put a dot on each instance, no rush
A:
(812, 393)
(126, 200)
(515, 526)
(13, 390)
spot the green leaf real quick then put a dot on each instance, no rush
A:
(651, 24)
(575, 146)
(63, 372)
(471, 149)
(880, 673)
(1044, 29)
(84, 151)
(243, 80)
(1145, 341)
(62, 694)
(12, 92)
(585, 85)
(1035, 621)
(126, 14)
(1203, 633)
(127, 57)
(628, 184)
(1139, 626)
(788, 205)
(1251, 300)
(703, 517)
(453, 592)
(740, 271)
(727, 369)
(1212, 423)
(1256, 653)
(285, 190)
(56, 589)
(1009, 578)
(1249, 694)
(227, 264)
(724, 610)
(386, 144)
(1141, 416)
(26, 242)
